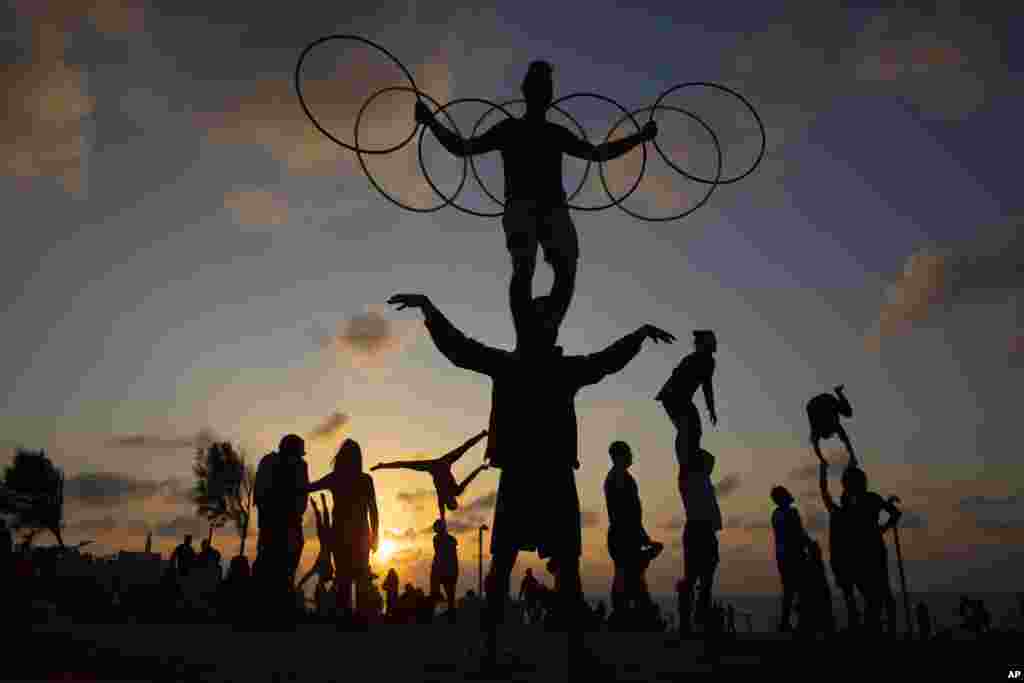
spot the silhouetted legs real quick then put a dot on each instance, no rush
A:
(688, 433)
(568, 600)
(466, 482)
(852, 612)
(700, 560)
(789, 572)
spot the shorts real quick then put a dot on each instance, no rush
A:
(537, 512)
(700, 549)
(528, 222)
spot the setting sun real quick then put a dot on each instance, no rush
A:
(385, 549)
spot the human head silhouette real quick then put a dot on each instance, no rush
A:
(538, 85)
(781, 496)
(205, 545)
(349, 458)
(529, 572)
(188, 539)
(702, 461)
(292, 445)
(705, 340)
(440, 527)
(621, 454)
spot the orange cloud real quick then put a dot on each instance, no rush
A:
(910, 298)
(270, 116)
(257, 207)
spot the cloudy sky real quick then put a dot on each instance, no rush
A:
(187, 258)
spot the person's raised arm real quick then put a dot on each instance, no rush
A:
(826, 497)
(453, 142)
(596, 366)
(709, 392)
(462, 351)
(453, 456)
(581, 149)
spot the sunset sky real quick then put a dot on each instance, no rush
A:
(187, 258)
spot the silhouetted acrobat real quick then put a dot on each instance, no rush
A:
(700, 538)
(627, 538)
(537, 507)
(355, 500)
(535, 201)
(444, 570)
(696, 370)
(322, 566)
(861, 538)
(824, 411)
(440, 469)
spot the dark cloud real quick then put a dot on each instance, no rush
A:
(203, 439)
(368, 337)
(330, 425)
(727, 485)
(973, 502)
(107, 525)
(109, 489)
(482, 504)
(837, 460)
(415, 499)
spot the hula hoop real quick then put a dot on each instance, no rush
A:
(476, 175)
(711, 185)
(643, 147)
(362, 162)
(746, 103)
(309, 114)
(469, 158)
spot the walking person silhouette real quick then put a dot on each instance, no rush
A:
(532, 149)
(444, 570)
(696, 370)
(537, 507)
(448, 490)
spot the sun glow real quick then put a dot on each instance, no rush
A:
(386, 548)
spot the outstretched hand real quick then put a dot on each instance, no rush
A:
(650, 131)
(403, 301)
(656, 334)
(839, 389)
(422, 114)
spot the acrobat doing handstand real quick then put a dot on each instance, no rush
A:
(448, 490)
(824, 411)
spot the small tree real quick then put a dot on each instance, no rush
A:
(225, 483)
(238, 494)
(208, 491)
(35, 494)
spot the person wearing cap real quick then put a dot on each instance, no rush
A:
(697, 369)
(536, 210)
